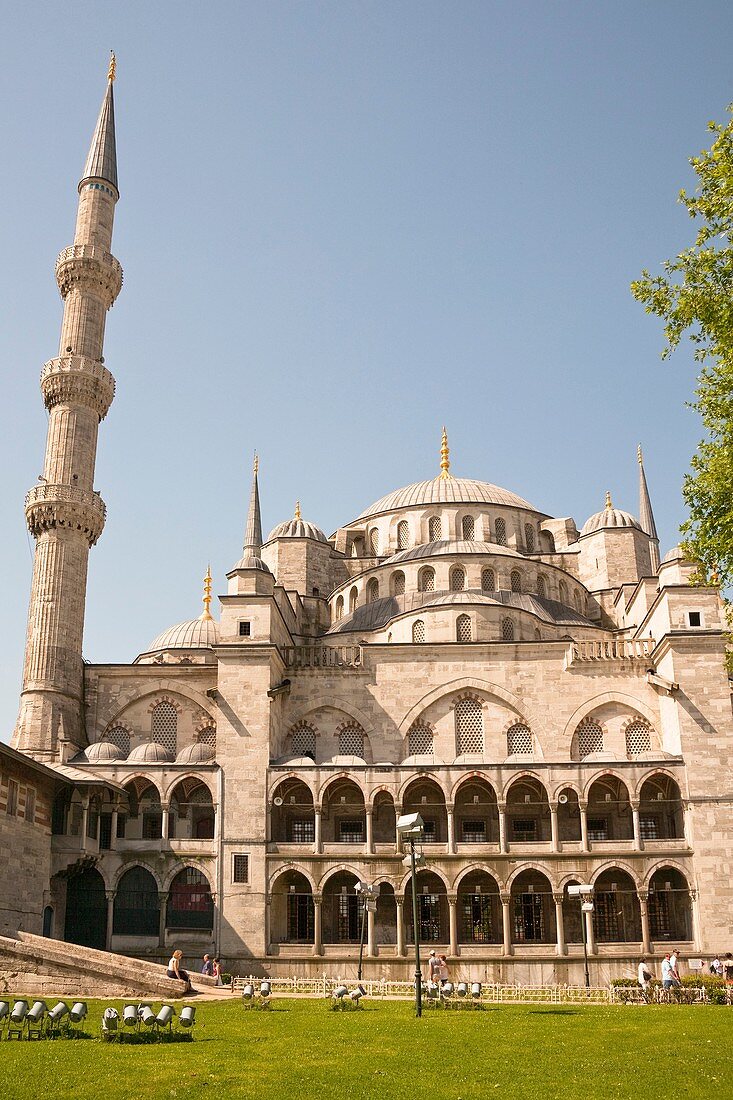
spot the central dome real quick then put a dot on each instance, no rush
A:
(446, 490)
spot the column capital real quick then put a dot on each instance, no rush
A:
(643, 896)
(582, 805)
(368, 809)
(162, 895)
(110, 895)
(501, 806)
(450, 807)
(505, 898)
(634, 803)
(452, 898)
(558, 897)
(317, 898)
(317, 807)
(399, 900)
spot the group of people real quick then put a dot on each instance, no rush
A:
(211, 967)
(671, 974)
(438, 972)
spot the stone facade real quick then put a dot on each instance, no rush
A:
(552, 701)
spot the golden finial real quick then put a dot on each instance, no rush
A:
(112, 71)
(207, 594)
(639, 455)
(297, 510)
(609, 503)
(256, 466)
(444, 456)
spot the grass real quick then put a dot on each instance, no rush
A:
(300, 1048)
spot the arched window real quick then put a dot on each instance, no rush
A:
(590, 738)
(426, 579)
(550, 541)
(469, 726)
(519, 740)
(435, 528)
(516, 581)
(339, 607)
(463, 628)
(398, 583)
(420, 739)
(542, 586)
(576, 600)
(372, 590)
(207, 735)
(418, 631)
(374, 541)
(190, 904)
(638, 737)
(353, 597)
(488, 580)
(403, 535)
(529, 537)
(303, 740)
(351, 740)
(457, 579)
(507, 630)
(468, 528)
(563, 593)
(500, 532)
(164, 725)
(120, 737)
(136, 906)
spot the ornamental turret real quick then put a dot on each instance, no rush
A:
(64, 513)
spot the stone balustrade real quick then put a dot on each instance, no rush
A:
(322, 656)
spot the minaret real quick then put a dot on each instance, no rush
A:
(64, 513)
(253, 531)
(646, 516)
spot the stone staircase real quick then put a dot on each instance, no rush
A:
(35, 964)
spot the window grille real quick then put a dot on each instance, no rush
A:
(120, 737)
(302, 832)
(507, 630)
(524, 828)
(597, 828)
(529, 537)
(304, 741)
(463, 628)
(245, 630)
(474, 832)
(351, 832)
(430, 831)
(30, 805)
(516, 581)
(372, 590)
(477, 918)
(529, 918)
(164, 727)
(590, 738)
(435, 528)
(418, 631)
(339, 607)
(398, 584)
(563, 592)
(353, 597)
(649, 828)
(519, 740)
(488, 580)
(426, 579)
(420, 739)
(542, 587)
(374, 541)
(500, 532)
(468, 528)
(469, 726)
(457, 579)
(351, 741)
(638, 737)
(301, 918)
(403, 535)
(207, 735)
(240, 868)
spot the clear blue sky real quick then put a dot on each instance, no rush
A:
(343, 225)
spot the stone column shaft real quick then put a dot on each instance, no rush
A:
(560, 922)
(506, 923)
(317, 924)
(400, 926)
(453, 923)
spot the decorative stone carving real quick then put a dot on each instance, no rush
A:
(91, 268)
(78, 380)
(50, 506)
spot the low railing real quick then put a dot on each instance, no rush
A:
(614, 649)
(322, 656)
(491, 993)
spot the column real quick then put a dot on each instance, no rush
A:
(84, 823)
(268, 823)
(695, 915)
(590, 937)
(646, 940)
(163, 903)
(368, 811)
(555, 832)
(583, 807)
(638, 842)
(453, 923)
(370, 934)
(560, 922)
(317, 925)
(502, 827)
(400, 925)
(268, 900)
(317, 841)
(113, 827)
(110, 895)
(165, 818)
(397, 844)
(451, 829)
(506, 923)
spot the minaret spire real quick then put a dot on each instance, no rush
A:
(206, 613)
(646, 515)
(64, 512)
(444, 457)
(253, 532)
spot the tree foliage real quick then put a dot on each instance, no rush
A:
(694, 297)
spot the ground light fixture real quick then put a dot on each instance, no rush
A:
(584, 891)
(411, 827)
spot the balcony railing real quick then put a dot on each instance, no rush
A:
(614, 649)
(322, 656)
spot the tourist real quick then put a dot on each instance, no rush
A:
(645, 977)
(716, 967)
(433, 968)
(728, 977)
(670, 981)
(443, 970)
(216, 970)
(175, 971)
(208, 967)
(674, 958)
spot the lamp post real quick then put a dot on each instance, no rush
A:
(366, 893)
(585, 893)
(412, 827)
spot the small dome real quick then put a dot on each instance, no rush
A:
(201, 633)
(297, 528)
(150, 753)
(197, 753)
(675, 554)
(250, 561)
(609, 517)
(101, 752)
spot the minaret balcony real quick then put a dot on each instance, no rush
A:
(90, 267)
(50, 506)
(77, 380)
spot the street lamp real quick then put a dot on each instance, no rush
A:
(585, 893)
(368, 905)
(412, 827)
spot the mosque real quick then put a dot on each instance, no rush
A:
(552, 700)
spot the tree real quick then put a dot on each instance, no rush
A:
(694, 296)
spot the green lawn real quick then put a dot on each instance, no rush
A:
(300, 1048)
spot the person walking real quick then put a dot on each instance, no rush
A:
(674, 958)
(728, 977)
(217, 970)
(443, 971)
(644, 978)
(433, 968)
(670, 981)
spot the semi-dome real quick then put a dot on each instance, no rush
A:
(101, 752)
(675, 554)
(250, 561)
(445, 490)
(201, 633)
(449, 546)
(609, 517)
(150, 752)
(297, 528)
(198, 753)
